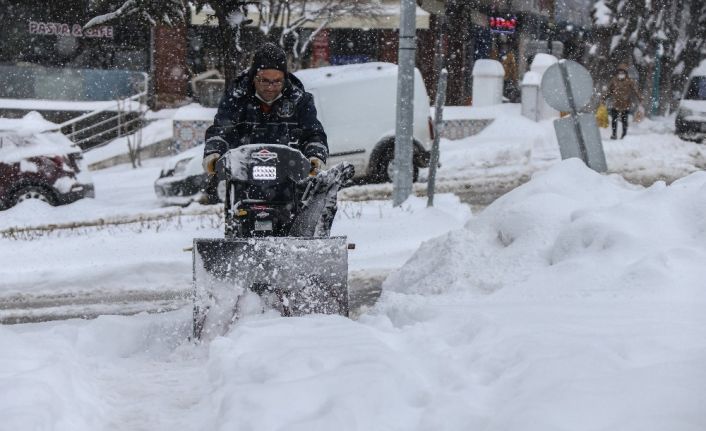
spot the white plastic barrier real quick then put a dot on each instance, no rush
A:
(530, 95)
(488, 76)
(533, 104)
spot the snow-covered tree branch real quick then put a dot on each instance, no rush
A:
(658, 37)
(291, 17)
(152, 11)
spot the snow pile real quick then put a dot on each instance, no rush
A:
(604, 234)
(595, 323)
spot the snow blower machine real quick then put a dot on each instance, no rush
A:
(277, 253)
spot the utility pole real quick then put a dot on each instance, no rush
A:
(402, 169)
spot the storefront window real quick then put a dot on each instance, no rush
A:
(51, 34)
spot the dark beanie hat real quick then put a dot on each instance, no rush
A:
(269, 56)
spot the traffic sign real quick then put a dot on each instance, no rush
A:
(554, 86)
(592, 150)
(567, 86)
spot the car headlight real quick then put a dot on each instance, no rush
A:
(181, 165)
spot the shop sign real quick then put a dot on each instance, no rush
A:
(503, 25)
(63, 29)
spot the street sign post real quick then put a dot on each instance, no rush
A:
(567, 86)
(438, 127)
(566, 135)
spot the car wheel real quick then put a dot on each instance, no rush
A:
(34, 192)
(384, 168)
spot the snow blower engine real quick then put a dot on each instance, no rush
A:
(277, 252)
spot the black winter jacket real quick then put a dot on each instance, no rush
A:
(291, 120)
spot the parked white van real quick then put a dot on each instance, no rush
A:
(357, 106)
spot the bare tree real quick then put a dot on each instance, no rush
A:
(230, 14)
(152, 11)
(284, 21)
(297, 22)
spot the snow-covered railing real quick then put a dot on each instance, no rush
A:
(117, 115)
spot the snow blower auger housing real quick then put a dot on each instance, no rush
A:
(277, 244)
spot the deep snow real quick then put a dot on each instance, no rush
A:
(572, 303)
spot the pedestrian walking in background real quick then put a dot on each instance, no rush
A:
(621, 91)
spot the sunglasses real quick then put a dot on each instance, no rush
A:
(269, 83)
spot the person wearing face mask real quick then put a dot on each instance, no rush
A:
(266, 104)
(621, 91)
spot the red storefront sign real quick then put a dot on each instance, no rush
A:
(320, 50)
(502, 25)
(63, 29)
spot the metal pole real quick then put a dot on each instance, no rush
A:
(402, 169)
(438, 127)
(574, 114)
(440, 100)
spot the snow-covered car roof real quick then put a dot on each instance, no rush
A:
(30, 124)
(31, 136)
(323, 76)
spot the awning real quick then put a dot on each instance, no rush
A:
(388, 19)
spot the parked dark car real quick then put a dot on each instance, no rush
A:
(182, 181)
(691, 115)
(40, 165)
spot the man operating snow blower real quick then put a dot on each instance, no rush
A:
(266, 104)
(269, 148)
